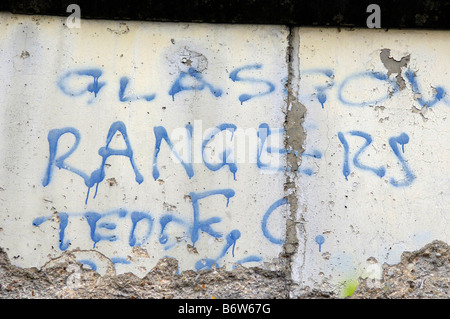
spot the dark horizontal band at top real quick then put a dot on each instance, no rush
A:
(421, 14)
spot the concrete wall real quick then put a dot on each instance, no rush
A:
(318, 153)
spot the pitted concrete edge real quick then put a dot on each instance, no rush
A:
(424, 273)
(65, 278)
(420, 274)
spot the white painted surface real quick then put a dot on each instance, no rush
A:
(367, 215)
(36, 53)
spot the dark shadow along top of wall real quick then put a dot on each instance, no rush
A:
(422, 14)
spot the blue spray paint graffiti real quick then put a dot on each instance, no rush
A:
(69, 88)
(53, 138)
(66, 85)
(63, 222)
(94, 221)
(321, 90)
(438, 95)
(225, 156)
(178, 87)
(367, 75)
(160, 134)
(234, 76)
(123, 97)
(89, 263)
(98, 175)
(267, 234)
(392, 88)
(320, 240)
(345, 167)
(231, 239)
(205, 225)
(93, 87)
(249, 259)
(402, 139)
(92, 218)
(120, 260)
(104, 227)
(316, 154)
(136, 217)
(380, 171)
(264, 131)
(164, 221)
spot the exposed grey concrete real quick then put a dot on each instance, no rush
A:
(420, 274)
(394, 67)
(294, 140)
(64, 278)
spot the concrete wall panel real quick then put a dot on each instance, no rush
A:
(376, 129)
(87, 114)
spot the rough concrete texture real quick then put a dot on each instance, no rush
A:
(64, 277)
(423, 273)
(420, 274)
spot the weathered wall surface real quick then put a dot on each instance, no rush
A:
(294, 158)
(142, 141)
(375, 151)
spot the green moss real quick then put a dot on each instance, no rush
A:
(349, 287)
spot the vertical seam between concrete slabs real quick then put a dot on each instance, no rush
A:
(295, 136)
